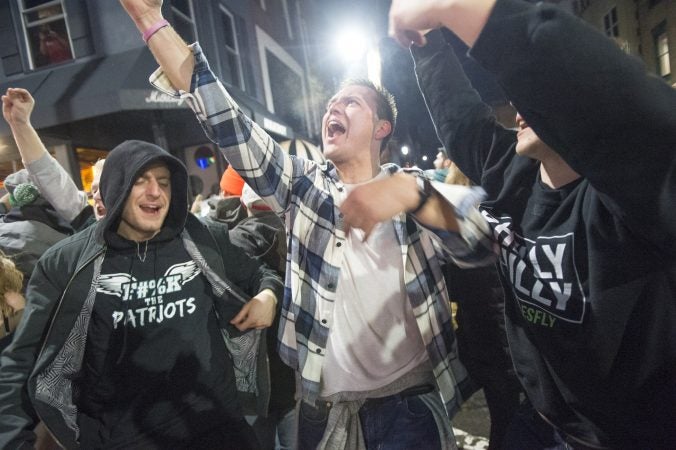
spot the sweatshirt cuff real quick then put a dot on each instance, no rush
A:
(39, 165)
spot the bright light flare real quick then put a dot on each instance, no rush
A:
(351, 44)
(404, 150)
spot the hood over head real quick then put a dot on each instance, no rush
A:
(124, 164)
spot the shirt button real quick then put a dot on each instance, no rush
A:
(338, 244)
(319, 350)
(330, 286)
(340, 189)
(323, 320)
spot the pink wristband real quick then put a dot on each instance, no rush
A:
(154, 29)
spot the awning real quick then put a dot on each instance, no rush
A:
(91, 88)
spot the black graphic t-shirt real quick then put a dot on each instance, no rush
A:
(155, 367)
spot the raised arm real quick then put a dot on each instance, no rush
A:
(185, 73)
(464, 124)
(170, 51)
(610, 121)
(54, 183)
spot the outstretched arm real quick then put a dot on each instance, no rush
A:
(563, 77)
(54, 183)
(185, 73)
(464, 124)
(17, 106)
(450, 212)
(380, 200)
(171, 52)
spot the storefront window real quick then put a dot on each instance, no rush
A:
(86, 158)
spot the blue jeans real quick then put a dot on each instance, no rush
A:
(392, 423)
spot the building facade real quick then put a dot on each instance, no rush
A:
(87, 67)
(643, 28)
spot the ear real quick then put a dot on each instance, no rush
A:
(383, 129)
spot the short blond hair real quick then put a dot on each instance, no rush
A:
(11, 280)
(97, 168)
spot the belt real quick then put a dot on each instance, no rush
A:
(409, 392)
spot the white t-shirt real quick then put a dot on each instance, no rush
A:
(374, 338)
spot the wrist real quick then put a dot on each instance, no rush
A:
(20, 126)
(147, 20)
(154, 28)
(425, 190)
(271, 294)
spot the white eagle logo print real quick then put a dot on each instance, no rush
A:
(154, 309)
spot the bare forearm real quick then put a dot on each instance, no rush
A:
(435, 213)
(169, 49)
(28, 142)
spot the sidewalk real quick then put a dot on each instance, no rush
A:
(471, 425)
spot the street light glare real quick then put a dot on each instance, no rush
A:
(351, 44)
(404, 150)
(424, 158)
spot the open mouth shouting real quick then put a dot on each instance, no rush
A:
(334, 129)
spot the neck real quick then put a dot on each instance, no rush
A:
(555, 172)
(358, 171)
(135, 235)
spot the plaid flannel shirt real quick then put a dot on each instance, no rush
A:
(304, 193)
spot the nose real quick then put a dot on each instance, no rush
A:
(153, 188)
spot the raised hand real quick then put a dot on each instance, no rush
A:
(17, 106)
(144, 13)
(409, 19)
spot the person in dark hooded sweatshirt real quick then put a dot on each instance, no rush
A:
(139, 331)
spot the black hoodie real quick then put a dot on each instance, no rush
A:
(128, 161)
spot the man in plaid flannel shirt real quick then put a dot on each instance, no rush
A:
(365, 317)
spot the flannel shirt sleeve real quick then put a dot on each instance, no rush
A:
(473, 244)
(265, 167)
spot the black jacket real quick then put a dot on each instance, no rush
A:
(38, 369)
(589, 268)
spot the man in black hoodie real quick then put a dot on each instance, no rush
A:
(581, 201)
(132, 332)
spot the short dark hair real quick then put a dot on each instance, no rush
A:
(386, 106)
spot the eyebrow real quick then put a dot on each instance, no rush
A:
(343, 98)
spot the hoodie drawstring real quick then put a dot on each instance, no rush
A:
(138, 252)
